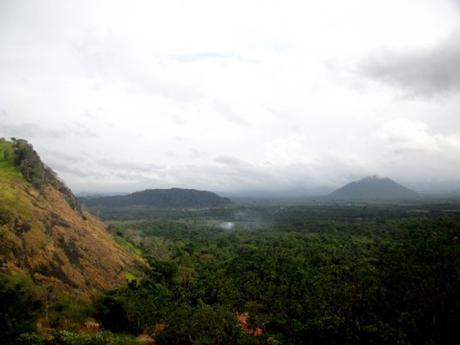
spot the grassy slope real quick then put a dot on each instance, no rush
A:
(17, 199)
(12, 183)
(41, 233)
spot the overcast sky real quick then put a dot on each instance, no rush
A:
(235, 95)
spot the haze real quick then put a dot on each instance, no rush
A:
(235, 95)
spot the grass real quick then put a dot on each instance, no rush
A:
(12, 184)
(129, 276)
(128, 246)
(7, 167)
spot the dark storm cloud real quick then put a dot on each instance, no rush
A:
(427, 72)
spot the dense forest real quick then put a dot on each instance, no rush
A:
(280, 275)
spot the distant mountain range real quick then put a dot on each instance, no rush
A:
(160, 198)
(374, 187)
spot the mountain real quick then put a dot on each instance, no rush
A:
(161, 198)
(46, 233)
(374, 187)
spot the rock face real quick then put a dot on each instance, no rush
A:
(45, 232)
(161, 198)
(374, 187)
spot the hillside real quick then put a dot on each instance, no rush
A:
(374, 187)
(161, 198)
(45, 232)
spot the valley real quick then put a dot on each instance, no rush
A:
(229, 172)
(319, 274)
(181, 266)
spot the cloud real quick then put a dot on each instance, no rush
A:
(402, 135)
(182, 94)
(194, 57)
(423, 72)
(33, 130)
(421, 157)
(129, 166)
(428, 70)
(226, 110)
(28, 130)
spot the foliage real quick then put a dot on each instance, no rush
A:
(66, 312)
(20, 305)
(128, 245)
(201, 325)
(320, 275)
(30, 339)
(359, 276)
(63, 337)
(28, 162)
(7, 158)
(99, 338)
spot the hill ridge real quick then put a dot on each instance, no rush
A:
(161, 198)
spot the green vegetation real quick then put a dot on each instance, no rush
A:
(128, 245)
(321, 274)
(324, 274)
(64, 337)
(29, 164)
(7, 166)
(130, 277)
(11, 181)
(19, 159)
(20, 305)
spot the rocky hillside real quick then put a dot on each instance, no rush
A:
(44, 230)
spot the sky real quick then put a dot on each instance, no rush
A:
(232, 96)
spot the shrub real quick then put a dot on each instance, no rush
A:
(100, 338)
(29, 339)
(20, 305)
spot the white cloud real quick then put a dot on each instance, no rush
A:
(404, 135)
(173, 85)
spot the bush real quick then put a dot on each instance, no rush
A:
(29, 163)
(204, 325)
(101, 338)
(67, 338)
(29, 339)
(111, 312)
(20, 305)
